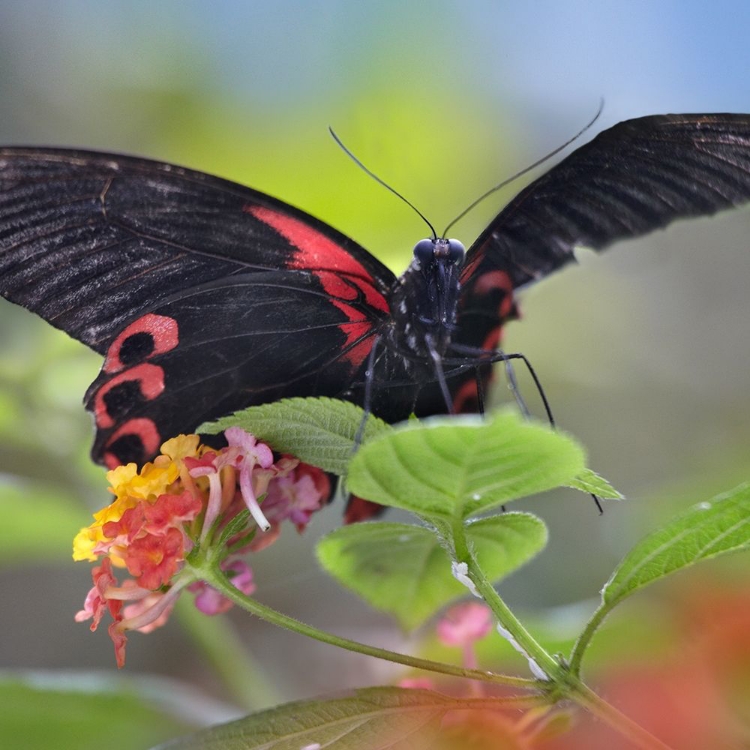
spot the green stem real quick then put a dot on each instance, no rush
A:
(219, 581)
(579, 649)
(563, 682)
(560, 682)
(522, 640)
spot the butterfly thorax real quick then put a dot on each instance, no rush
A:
(424, 299)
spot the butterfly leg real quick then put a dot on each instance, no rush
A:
(535, 378)
(510, 375)
(437, 362)
(480, 390)
(492, 357)
(506, 358)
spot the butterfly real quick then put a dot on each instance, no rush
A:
(205, 297)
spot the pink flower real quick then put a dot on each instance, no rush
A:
(463, 625)
(296, 496)
(418, 683)
(250, 453)
(151, 610)
(153, 560)
(97, 602)
(220, 494)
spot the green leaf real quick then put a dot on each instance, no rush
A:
(458, 466)
(386, 718)
(404, 569)
(38, 523)
(590, 482)
(318, 431)
(708, 529)
(82, 711)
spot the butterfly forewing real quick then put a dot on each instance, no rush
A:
(635, 177)
(88, 241)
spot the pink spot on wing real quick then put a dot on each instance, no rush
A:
(162, 329)
(142, 428)
(151, 380)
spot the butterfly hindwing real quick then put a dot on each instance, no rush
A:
(247, 339)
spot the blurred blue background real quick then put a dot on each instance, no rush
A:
(644, 351)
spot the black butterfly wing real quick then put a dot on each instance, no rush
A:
(221, 346)
(203, 295)
(635, 177)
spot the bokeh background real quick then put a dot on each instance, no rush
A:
(644, 351)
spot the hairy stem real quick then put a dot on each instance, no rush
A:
(220, 582)
(562, 682)
(579, 649)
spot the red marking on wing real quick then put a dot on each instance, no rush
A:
(357, 330)
(497, 281)
(111, 461)
(151, 379)
(316, 252)
(164, 331)
(342, 276)
(144, 429)
(493, 338)
(465, 400)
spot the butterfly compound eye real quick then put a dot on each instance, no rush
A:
(424, 251)
(456, 251)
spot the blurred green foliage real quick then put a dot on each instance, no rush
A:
(78, 714)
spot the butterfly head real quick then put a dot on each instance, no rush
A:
(446, 252)
(424, 300)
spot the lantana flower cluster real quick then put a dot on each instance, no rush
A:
(179, 507)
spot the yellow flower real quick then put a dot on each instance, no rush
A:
(87, 538)
(181, 446)
(154, 479)
(84, 543)
(120, 478)
(129, 486)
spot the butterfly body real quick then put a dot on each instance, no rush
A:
(424, 299)
(205, 296)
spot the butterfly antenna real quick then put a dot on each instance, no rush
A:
(525, 169)
(380, 181)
